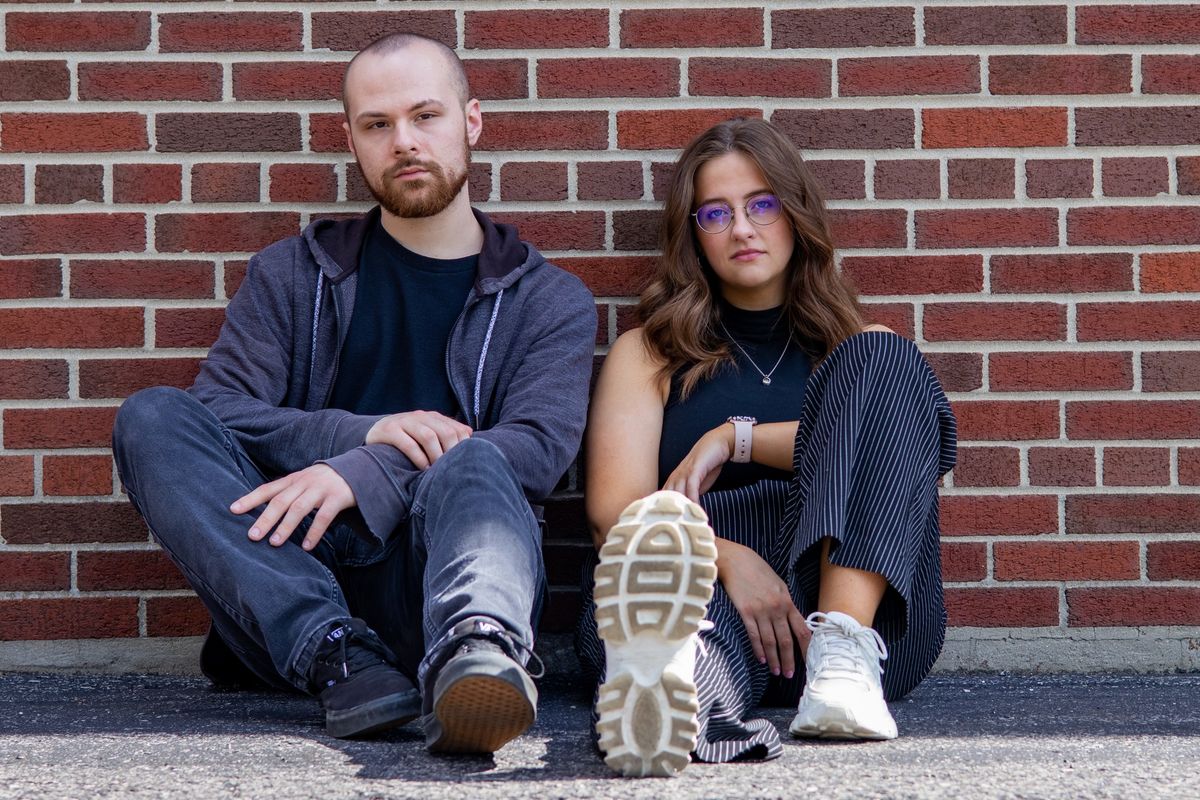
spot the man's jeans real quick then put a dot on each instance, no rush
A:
(470, 546)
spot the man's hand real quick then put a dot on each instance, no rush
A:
(423, 436)
(291, 498)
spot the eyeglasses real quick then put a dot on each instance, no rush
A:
(762, 209)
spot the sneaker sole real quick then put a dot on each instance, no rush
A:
(378, 715)
(653, 584)
(829, 721)
(482, 713)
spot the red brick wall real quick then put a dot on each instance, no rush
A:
(1016, 186)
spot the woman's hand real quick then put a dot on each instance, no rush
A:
(701, 466)
(765, 605)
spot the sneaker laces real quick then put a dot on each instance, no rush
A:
(367, 651)
(847, 643)
(486, 630)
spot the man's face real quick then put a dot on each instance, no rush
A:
(409, 130)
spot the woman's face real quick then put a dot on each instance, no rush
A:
(750, 259)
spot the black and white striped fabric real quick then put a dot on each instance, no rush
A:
(876, 432)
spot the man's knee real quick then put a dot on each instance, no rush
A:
(150, 412)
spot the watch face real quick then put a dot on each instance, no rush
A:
(751, 420)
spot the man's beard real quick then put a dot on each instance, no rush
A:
(424, 198)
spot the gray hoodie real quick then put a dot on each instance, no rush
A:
(519, 360)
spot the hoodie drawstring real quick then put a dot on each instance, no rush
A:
(487, 340)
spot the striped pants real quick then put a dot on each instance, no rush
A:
(876, 432)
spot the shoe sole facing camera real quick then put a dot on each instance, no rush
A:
(818, 718)
(653, 584)
(378, 715)
(481, 705)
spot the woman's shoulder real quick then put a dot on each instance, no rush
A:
(632, 357)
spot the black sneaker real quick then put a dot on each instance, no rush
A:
(360, 690)
(483, 696)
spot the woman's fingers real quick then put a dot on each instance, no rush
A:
(787, 653)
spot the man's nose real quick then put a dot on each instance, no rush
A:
(403, 138)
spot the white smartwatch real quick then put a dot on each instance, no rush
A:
(743, 438)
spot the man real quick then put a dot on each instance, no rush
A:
(414, 376)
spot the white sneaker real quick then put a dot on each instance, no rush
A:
(842, 695)
(653, 584)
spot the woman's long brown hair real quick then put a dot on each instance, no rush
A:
(679, 309)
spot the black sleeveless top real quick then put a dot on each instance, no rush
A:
(738, 389)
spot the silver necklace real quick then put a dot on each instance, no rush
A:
(766, 376)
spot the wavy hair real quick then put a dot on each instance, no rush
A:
(678, 308)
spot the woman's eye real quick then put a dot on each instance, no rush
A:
(765, 203)
(717, 214)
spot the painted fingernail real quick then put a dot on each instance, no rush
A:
(790, 674)
(775, 672)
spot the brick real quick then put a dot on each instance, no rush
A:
(907, 179)
(144, 80)
(1134, 177)
(609, 180)
(35, 572)
(63, 31)
(986, 515)
(661, 175)
(908, 75)
(75, 476)
(1062, 466)
(1171, 371)
(957, 372)
(479, 182)
(67, 523)
(975, 25)
(34, 80)
(16, 480)
(1188, 174)
(235, 272)
(1137, 24)
(222, 232)
(225, 183)
(68, 183)
(121, 377)
(1074, 74)
(536, 28)
(964, 561)
(1141, 125)
(147, 183)
(1065, 561)
(1133, 419)
(982, 178)
(545, 130)
(611, 276)
(915, 274)
(341, 31)
(1058, 177)
(848, 129)
(988, 466)
(608, 77)
(636, 230)
(116, 570)
(1116, 322)
(12, 183)
(1064, 372)
(60, 133)
(232, 132)
(993, 227)
(70, 327)
(1172, 561)
(288, 80)
(187, 327)
(1137, 466)
(241, 31)
(533, 180)
(73, 618)
(835, 28)
(498, 78)
(760, 77)
(141, 279)
(28, 428)
(33, 379)
(669, 129)
(840, 178)
(1189, 466)
(176, 616)
(1171, 75)
(558, 230)
(692, 27)
(303, 183)
(1072, 273)
(1127, 607)
(1002, 608)
(991, 321)
(30, 277)
(897, 316)
(994, 127)
(326, 135)
(1004, 420)
(868, 227)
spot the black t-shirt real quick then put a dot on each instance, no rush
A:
(394, 356)
(738, 389)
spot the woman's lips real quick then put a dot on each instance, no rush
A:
(747, 255)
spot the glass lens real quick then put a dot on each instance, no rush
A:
(763, 209)
(714, 217)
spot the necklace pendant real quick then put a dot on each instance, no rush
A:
(766, 380)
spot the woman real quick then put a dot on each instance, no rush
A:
(756, 396)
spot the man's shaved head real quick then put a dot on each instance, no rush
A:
(392, 42)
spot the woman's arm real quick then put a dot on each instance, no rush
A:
(623, 433)
(772, 445)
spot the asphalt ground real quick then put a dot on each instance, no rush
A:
(961, 736)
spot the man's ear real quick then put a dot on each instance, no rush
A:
(474, 120)
(349, 139)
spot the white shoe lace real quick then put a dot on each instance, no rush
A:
(846, 643)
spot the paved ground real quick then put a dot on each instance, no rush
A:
(75, 736)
